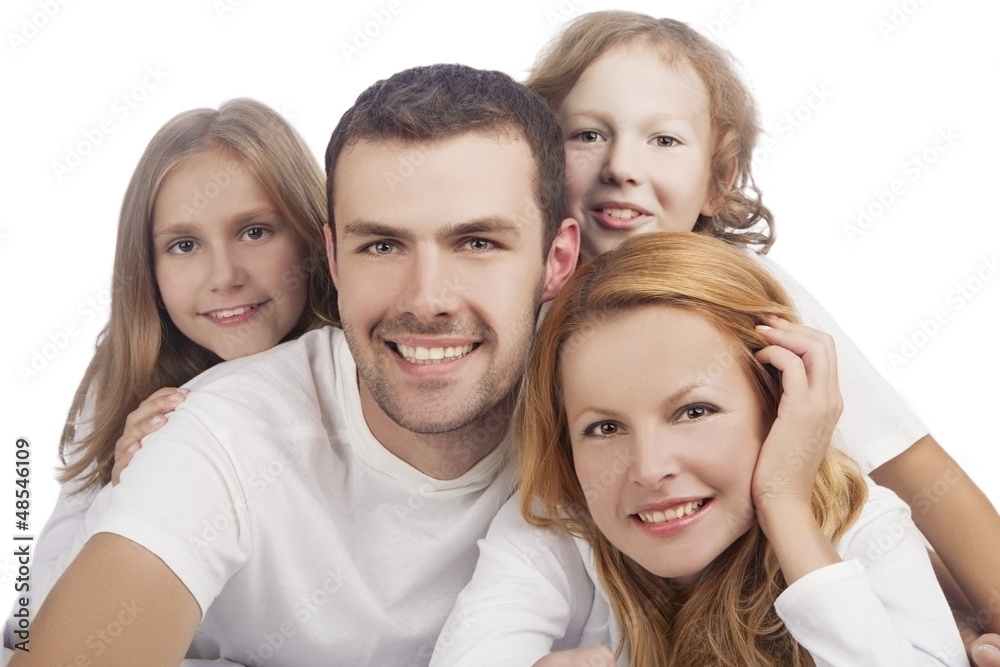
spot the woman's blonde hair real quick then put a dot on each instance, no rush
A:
(728, 617)
(140, 349)
(741, 217)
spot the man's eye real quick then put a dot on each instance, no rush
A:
(480, 244)
(380, 248)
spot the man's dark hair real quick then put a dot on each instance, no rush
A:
(442, 101)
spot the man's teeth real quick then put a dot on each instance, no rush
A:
(671, 513)
(432, 355)
(231, 313)
(622, 213)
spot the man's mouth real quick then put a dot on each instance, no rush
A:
(432, 355)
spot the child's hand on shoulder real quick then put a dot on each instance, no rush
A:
(148, 417)
(807, 413)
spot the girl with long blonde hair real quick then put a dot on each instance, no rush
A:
(219, 255)
(684, 506)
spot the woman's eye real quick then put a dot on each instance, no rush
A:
(603, 429)
(665, 141)
(695, 412)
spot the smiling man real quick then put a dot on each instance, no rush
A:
(320, 503)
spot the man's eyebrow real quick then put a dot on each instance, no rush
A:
(492, 225)
(369, 228)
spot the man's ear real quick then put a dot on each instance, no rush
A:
(331, 254)
(561, 261)
(714, 201)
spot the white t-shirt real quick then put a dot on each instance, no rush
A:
(301, 537)
(877, 425)
(537, 591)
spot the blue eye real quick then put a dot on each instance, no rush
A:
(379, 248)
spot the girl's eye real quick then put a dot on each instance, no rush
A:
(588, 136)
(256, 233)
(665, 141)
(181, 247)
(603, 429)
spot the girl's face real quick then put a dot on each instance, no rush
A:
(665, 427)
(225, 261)
(639, 145)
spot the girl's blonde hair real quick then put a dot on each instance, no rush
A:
(742, 217)
(140, 349)
(728, 617)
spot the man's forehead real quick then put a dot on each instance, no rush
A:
(451, 180)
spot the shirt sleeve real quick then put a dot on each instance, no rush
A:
(183, 500)
(530, 594)
(881, 606)
(877, 425)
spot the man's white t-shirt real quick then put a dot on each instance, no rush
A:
(303, 539)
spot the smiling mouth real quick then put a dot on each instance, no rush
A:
(622, 213)
(228, 313)
(671, 513)
(432, 355)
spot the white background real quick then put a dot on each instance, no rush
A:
(893, 75)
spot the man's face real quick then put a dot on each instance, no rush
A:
(440, 270)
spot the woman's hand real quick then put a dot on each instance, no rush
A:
(588, 656)
(793, 450)
(148, 417)
(807, 414)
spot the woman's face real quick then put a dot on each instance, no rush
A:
(639, 146)
(225, 261)
(665, 428)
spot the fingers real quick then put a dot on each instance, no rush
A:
(148, 417)
(807, 359)
(985, 651)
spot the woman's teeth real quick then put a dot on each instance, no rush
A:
(672, 513)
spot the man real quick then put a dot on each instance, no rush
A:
(320, 503)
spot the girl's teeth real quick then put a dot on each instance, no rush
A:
(621, 213)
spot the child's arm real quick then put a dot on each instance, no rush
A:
(956, 518)
(530, 595)
(879, 606)
(882, 604)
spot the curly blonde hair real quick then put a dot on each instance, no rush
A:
(741, 216)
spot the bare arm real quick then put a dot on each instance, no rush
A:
(957, 519)
(117, 604)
